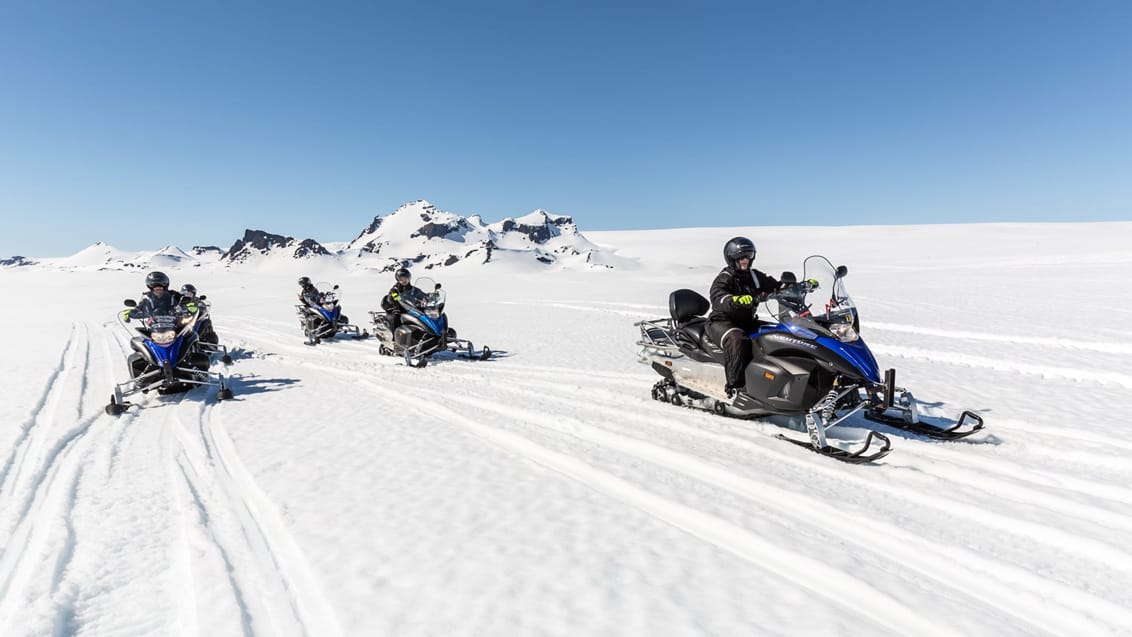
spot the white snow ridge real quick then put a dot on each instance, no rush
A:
(416, 235)
(545, 492)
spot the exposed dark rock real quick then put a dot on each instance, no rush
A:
(310, 248)
(260, 242)
(371, 228)
(538, 233)
(436, 231)
(16, 261)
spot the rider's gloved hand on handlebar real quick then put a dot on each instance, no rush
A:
(746, 299)
(395, 296)
(126, 315)
(813, 283)
(191, 307)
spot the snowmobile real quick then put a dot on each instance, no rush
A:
(326, 320)
(207, 341)
(166, 358)
(424, 329)
(809, 363)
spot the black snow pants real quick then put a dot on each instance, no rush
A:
(736, 348)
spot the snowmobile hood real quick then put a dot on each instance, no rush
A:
(163, 353)
(438, 325)
(857, 353)
(329, 316)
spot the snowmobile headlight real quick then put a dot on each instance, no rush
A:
(329, 307)
(163, 337)
(433, 313)
(844, 332)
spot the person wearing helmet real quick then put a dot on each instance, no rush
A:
(735, 294)
(309, 296)
(190, 296)
(391, 302)
(158, 300)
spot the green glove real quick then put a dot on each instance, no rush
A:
(394, 296)
(191, 307)
(126, 315)
(746, 299)
(813, 283)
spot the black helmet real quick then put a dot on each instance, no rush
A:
(189, 290)
(738, 248)
(305, 281)
(402, 272)
(154, 279)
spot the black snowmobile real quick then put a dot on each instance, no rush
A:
(810, 363)
(166, 358)
(424, 329)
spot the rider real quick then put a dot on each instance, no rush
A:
(204, 326)
(735, 294)
(310, 296)
(390, 303)
(159, 300)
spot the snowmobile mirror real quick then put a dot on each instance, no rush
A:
(334, 288)
(130, 303)
(437, 287)
(203, 297)
(842, 271)
(788, 278)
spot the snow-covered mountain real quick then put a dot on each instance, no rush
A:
(420, 233)
(100, 256)
(417, 235)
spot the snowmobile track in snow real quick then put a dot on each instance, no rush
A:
(1010, 589)
(39, 483)
(272, 583)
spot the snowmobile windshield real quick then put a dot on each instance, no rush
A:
(425, 297)
(818, 300)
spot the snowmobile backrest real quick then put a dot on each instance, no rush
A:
(685, 305)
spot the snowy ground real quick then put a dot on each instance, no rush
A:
(545, 493)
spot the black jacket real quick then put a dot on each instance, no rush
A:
(731, 283)
(150, 305)
(394, 307)
(311, 296)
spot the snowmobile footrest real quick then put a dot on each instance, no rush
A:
(954, 432)
(852, 457)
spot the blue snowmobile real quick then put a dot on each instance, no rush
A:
(423, 330)
(166, 358)
(810, 363)
(325, 319)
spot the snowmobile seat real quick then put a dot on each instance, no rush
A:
(685, 305)
(692, 333)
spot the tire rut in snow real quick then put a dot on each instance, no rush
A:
(272, 583)
(41, 479)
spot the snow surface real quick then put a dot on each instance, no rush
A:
(545, 493)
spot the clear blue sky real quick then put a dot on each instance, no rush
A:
(145, 123)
